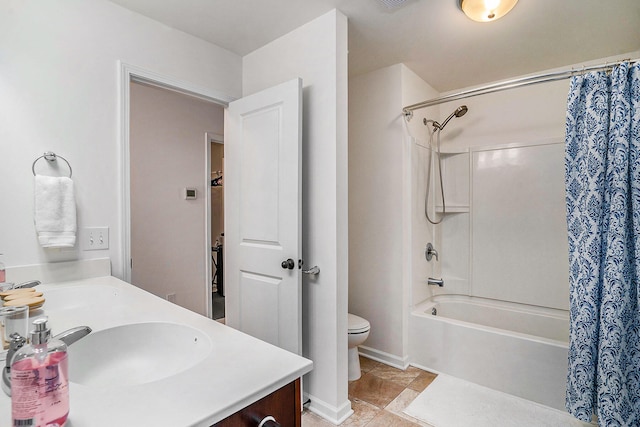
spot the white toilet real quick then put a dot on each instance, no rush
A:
(358, 332)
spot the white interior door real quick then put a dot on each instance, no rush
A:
(262, 192)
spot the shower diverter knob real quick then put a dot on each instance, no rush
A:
(430, 252)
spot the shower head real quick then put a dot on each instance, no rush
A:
(459, 112)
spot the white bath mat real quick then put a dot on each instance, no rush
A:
(451, 402)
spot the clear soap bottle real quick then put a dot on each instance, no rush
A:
(39, 381)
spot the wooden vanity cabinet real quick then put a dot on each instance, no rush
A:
(283, 405)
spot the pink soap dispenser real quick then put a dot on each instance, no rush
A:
(39, 381)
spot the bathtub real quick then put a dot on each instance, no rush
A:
(514, 348)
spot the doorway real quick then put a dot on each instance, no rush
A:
(215, 144)
(170, 200)
(276, 113)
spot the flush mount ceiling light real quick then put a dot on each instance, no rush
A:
(486, 10)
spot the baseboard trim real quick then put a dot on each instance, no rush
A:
(333, 414)
(382, 357)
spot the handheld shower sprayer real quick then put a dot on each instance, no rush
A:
(437, 127)
(459, 112)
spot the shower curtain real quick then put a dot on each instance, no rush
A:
(602, 166)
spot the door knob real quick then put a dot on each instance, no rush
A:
(288, 264)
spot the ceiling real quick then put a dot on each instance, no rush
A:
(432, 37)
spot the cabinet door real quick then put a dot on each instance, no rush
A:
(283, 405)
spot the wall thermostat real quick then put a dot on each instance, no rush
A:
(190, 193)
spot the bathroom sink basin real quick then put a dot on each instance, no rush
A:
(136, 354)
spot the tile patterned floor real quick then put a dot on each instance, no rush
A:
(379, 397)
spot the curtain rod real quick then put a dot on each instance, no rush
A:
(511, 84)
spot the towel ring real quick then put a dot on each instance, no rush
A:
(50, 156)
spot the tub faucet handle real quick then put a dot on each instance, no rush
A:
(430, 252)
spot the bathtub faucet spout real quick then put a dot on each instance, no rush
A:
(438, 282)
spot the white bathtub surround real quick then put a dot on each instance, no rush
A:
(506, 327)
(237, 371)
(514, 348)
(451, 402)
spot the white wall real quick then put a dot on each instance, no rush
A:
(376, 208)
(59, 92)
(317, 52)
(167, 151)
(387, 232)
(526, 114)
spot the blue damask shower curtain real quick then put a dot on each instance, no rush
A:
(602, 165)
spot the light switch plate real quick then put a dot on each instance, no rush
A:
(95, 238)
(190, 194)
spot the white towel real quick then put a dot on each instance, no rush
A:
(55, 211)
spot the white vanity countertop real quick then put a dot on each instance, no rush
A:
(238, 371)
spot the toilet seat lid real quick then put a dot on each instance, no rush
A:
(357, 324)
